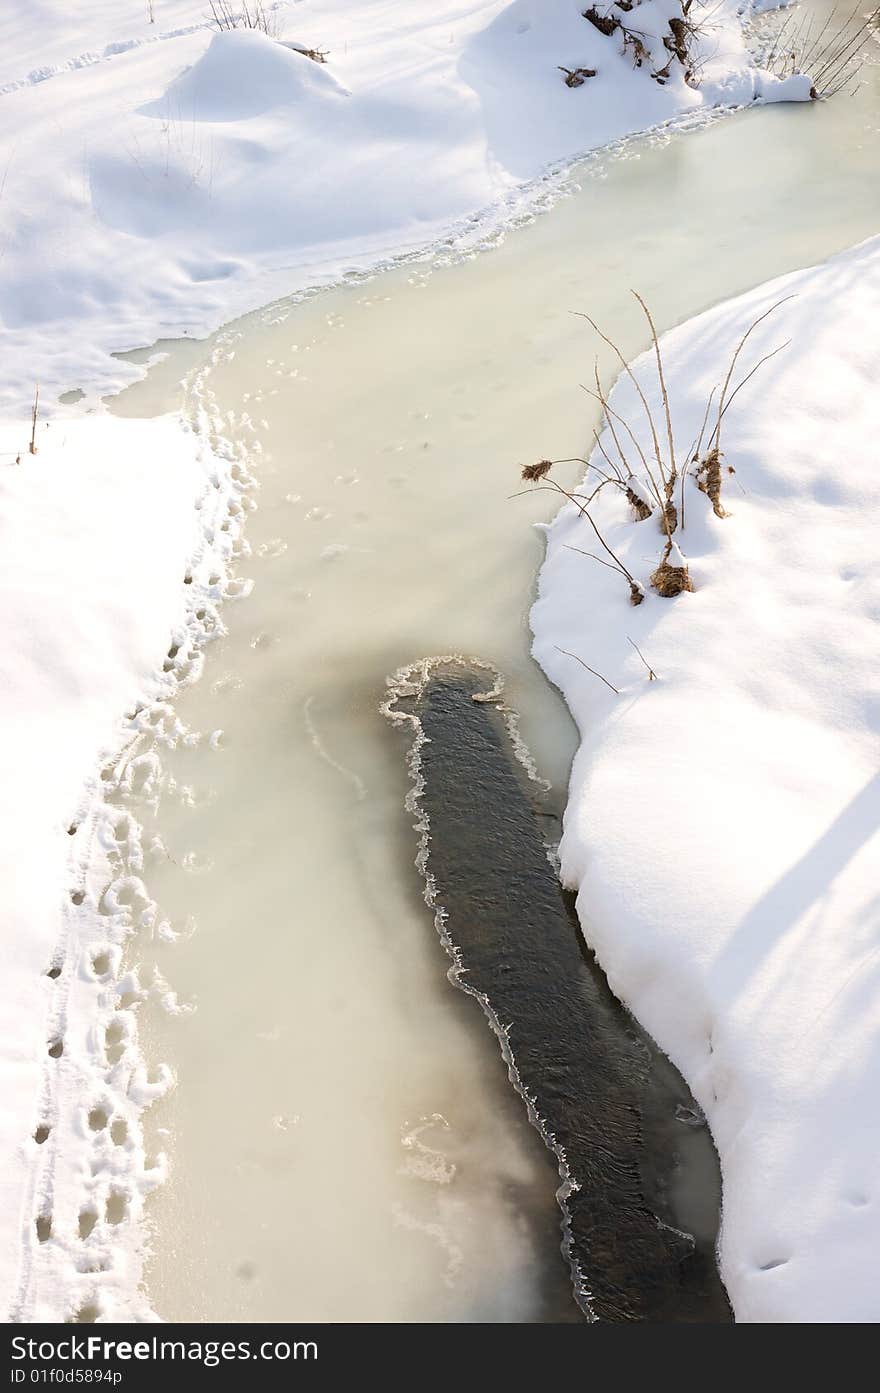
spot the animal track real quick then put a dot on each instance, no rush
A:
(86, 1315)
(114, 1171)
(114, 1042)
(87, 1221)
(116, 1208)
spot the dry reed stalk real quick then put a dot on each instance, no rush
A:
(33, 442)
(589, 669)
(541, 471)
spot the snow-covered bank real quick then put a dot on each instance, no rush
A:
(98, 531)
(722, 828)
(154, 180)
(159, 178)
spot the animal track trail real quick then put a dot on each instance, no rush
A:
(89, 58)
(90, 1172)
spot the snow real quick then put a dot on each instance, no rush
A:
(795, 88)
(155, 180)
(722, 824)
(96, 532)
(160, 178)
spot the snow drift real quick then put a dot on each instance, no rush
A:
(159, 180)
(723, 828)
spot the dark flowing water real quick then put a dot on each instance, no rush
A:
(618, 1118)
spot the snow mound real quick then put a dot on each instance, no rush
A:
(723, 825)
(244, 74)
(798, 87)
(514, 64)
(190, 175)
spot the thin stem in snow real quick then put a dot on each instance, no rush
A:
(587, 666)
(664, 394)
(33, 444)
(635, 381)
(652, 676)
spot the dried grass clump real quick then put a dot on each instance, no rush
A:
(641, 509)
(708, 477)
(533, 472)
(607, 24)
(671, 577)
(575, 77)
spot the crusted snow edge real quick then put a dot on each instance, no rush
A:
(87, 1153)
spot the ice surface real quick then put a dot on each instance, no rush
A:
(133, 209)
(158, 178)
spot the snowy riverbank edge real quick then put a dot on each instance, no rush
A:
(722, 823)
(158, 180)
(121, 222)
(113, 581)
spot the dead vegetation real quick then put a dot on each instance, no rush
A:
(576, 77)
(652, 676)
(228, 15)
(671, 577)
(32, 447)
(829, 51)
(615, 690)
(652, 478)
(533, 473)
(317, 55)
(679, 43)
(607, 24)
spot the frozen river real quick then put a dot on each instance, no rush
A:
(344, 1141)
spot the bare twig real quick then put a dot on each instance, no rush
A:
(617, 417)
(602, 398)
(760, 363)
(652, 676)
(593, 557)
(825, 52)
(618, 478)
(33, 445)
(635, 381)
(715, 438)
(587, 666)
(604, 545)
(663, 391)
